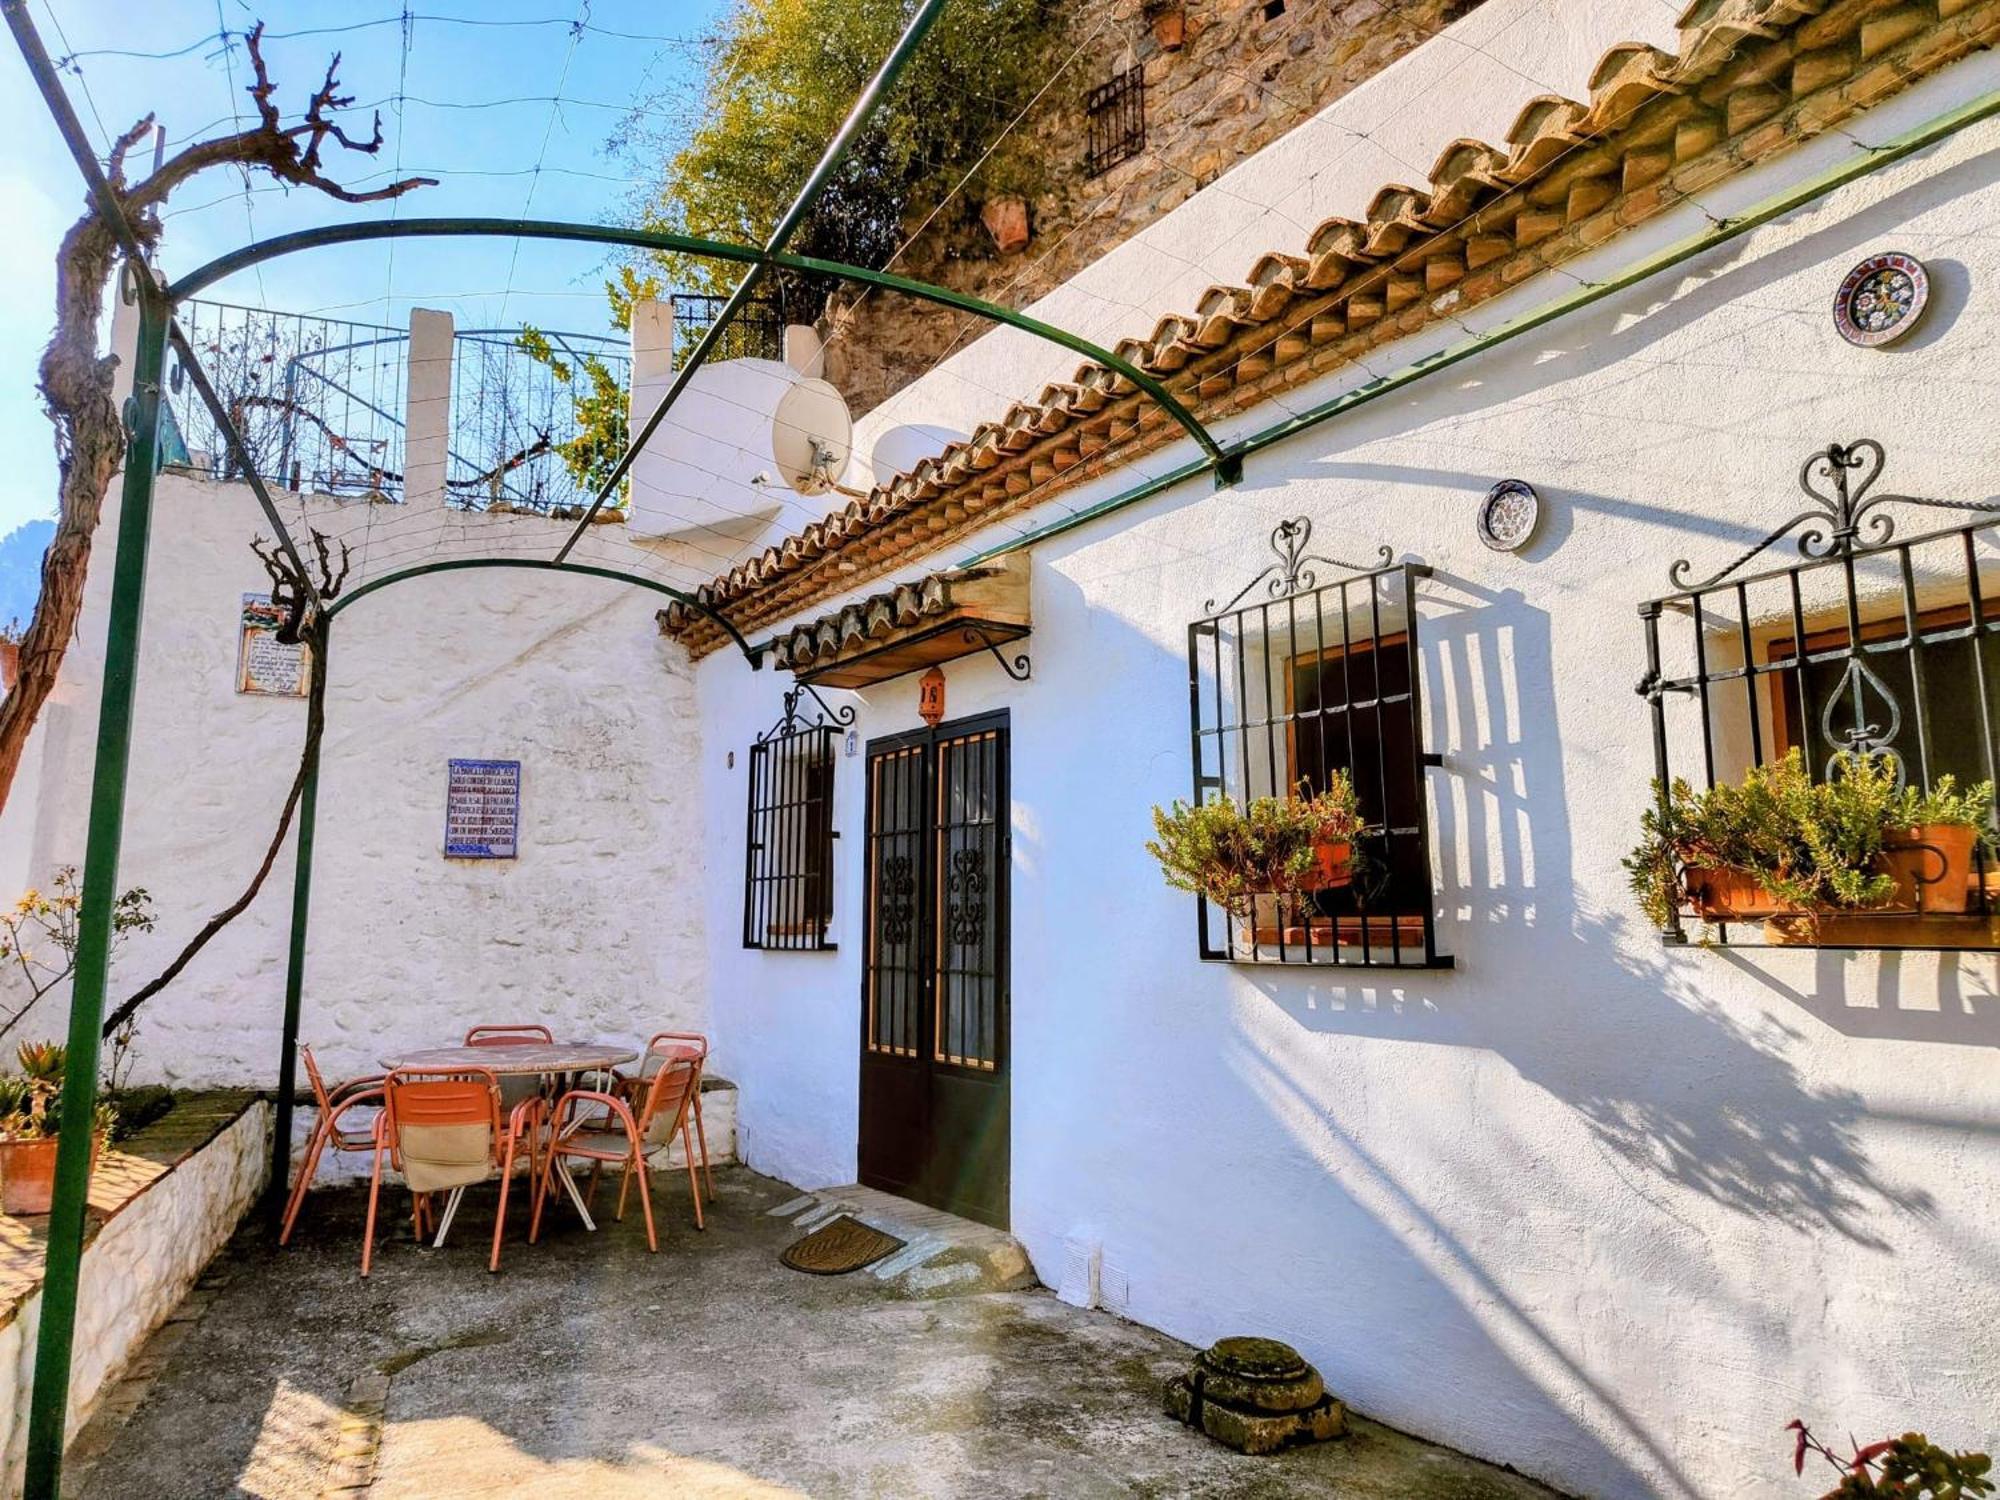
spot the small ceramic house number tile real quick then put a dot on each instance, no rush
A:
(1509, 514)
(1881, 299)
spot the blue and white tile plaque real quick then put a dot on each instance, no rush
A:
(482, 809)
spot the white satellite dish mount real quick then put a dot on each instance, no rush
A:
(812, 438)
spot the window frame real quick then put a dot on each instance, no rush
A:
(791, 796)
(1942, 589)
(1402, 938)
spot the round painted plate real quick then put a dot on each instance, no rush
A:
(1509, 514)
(1881, 299)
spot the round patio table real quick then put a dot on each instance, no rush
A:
(519, 1057)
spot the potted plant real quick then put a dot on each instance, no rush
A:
(1168, 18)
(31, 1127)
(1272, 847)
(1929, 844)
(1780, 845)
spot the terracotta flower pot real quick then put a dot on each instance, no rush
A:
(1332, 866)
(1725, 895)
(1006, 221)
(1932, 866)
(1169, 26)
(27, 1176)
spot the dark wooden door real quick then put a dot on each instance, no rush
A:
(934, 1000)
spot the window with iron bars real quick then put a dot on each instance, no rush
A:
(1116, 113)
(788, 844)
(1301, 681)
(1872, 645)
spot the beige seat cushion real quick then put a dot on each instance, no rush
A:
(436, 1157)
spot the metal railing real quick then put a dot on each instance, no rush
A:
(757, 332)
(319, 401)
(1297, 681)
(536, 418)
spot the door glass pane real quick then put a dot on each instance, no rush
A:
(968, 876)
(894, 866)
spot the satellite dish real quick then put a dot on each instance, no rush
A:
(901, 448)
(811, 437)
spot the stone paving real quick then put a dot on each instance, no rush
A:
(588, 1368)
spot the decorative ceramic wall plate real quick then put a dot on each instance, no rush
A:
(1509, 514)
(1881, 299)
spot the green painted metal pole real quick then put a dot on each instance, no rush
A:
(295, 959)
(49, 1403)
(205, 276)
(1851, 169)
(711, 339)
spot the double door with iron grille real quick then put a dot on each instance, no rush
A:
(934, 1001)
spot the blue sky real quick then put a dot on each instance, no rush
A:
(486, 156)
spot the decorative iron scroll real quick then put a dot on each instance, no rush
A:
(1291, 573)
(1020, 668)
(792, 722)
(1835, 523)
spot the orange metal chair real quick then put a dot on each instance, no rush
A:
(441, 1130)
(661, 1045)
(332, 1103)
(610, 1136)
(512, 1090)
(507, 1036)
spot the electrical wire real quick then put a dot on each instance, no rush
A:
(222, 35)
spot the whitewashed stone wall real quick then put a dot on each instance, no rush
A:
(1610, 1213)
(596, 929)
(137, 1270)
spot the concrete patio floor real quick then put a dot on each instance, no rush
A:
(588, 1368)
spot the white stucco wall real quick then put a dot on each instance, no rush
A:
(594, 929)
(1610, 1213)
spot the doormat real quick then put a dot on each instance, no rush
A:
(846, 1244)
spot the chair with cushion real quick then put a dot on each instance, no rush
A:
(441, 1129)
(328, 1131)
(664, 1044)
(600, 1128)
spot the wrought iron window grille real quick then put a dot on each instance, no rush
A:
(1116, 115)
(789, 835)
(1874, 644)
(1295, 678)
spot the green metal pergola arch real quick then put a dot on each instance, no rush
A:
(158, 329)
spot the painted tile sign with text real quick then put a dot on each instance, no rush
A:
(482, 809)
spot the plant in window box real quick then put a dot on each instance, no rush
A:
(31, 1127)
(1233, 853)
(1930, 842)
(1779, 845)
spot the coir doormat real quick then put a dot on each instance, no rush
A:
(835, 1248)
